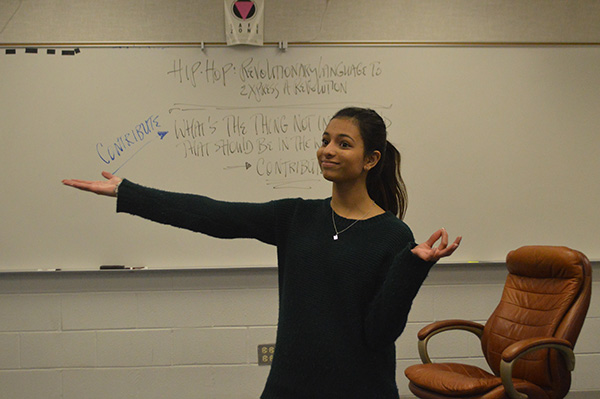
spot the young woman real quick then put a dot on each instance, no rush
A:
(348, 265)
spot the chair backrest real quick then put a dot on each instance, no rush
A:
(547, 294)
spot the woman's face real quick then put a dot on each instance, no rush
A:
(342, 152)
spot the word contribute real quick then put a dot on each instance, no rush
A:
(125, 144)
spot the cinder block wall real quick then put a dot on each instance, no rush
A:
(194, 334)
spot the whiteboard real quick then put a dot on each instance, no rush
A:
(499, 144)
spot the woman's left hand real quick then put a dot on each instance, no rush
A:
(429, 253)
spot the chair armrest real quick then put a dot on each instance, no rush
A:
(520, 348)
(425, 334)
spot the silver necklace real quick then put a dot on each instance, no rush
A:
(337, 233)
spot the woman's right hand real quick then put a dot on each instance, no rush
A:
(106, 187)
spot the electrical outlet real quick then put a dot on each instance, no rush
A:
(265, 354)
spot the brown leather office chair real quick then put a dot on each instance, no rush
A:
(527, 341)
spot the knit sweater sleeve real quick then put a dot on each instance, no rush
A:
(199, 213)
(388, 312)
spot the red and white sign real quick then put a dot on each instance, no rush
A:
(244, 22)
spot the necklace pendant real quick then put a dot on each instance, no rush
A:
(335, 237)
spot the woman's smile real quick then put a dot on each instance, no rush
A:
(328, 164)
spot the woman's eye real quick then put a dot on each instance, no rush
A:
(343, 144)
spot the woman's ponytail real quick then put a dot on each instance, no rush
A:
(385, 184)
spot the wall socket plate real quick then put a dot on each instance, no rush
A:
(265, 354)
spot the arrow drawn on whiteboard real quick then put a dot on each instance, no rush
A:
(247, 165)
(161, 134)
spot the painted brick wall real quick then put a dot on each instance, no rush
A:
(191, 334)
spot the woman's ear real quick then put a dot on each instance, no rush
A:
(371, 160)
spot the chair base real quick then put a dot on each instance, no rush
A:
(531, 391)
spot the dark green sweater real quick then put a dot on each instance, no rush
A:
(342, 304)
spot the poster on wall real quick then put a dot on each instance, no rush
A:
(244, 22)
